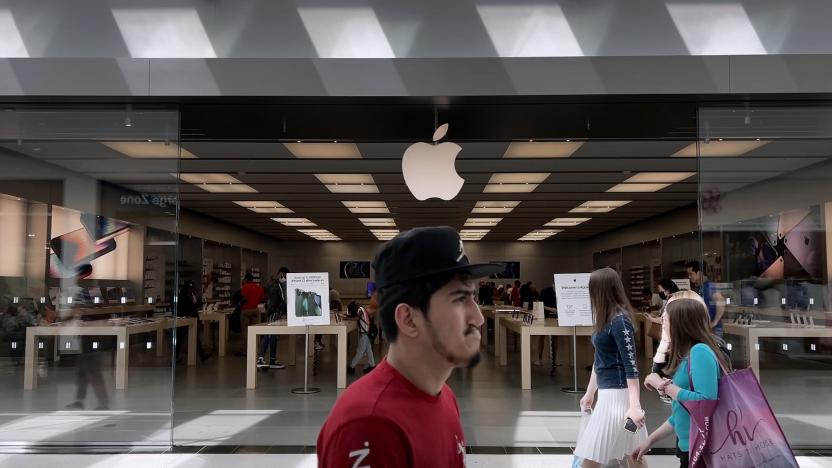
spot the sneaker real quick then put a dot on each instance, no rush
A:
(369, 369)
(76, 405)
(261, 363)
(666, 399)
(275, 364)
(350, 370)
(319, 346)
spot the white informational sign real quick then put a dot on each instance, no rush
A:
(683, 284)
(308, 298)
(572, 292)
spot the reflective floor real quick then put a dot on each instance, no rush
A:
(212, 406)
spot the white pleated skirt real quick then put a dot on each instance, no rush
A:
(605, 438)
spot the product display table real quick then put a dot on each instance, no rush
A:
(546, 327)
(112, 310)
(341, 330)
(122, 329)
(752, 334)
(496, 313)
(221, 317)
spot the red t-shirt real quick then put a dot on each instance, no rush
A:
(383, 420)
(515, 297)
(253, 294)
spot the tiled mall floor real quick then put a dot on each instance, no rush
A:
(212, 406)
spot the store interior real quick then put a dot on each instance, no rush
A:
(107, 211)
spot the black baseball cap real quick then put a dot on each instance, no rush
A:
(424, 252)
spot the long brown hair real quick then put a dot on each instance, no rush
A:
(690, 324)
(606, 294)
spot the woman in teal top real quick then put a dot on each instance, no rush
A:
(691, 344)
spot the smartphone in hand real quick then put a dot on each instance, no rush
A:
(630, 425)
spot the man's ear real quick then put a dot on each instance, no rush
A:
(405, 315)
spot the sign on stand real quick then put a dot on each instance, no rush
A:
(682, 284)
(307, 299)
(572, 292)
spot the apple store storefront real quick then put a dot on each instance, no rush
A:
(126, 232)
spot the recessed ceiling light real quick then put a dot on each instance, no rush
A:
(489, 207)
(149, 149)
(645, 182)
(294, 222)
(478, 222)
(216, 183)
(715, 149)
(378, 222)
(324, 150)
(384, 234)
(367, 207)
(264, 206)
(348, 183)
(566, 222)
(599, 206)
(539, 234)
(320, 234)
(473, 234)
(515, 182)
(542, 149)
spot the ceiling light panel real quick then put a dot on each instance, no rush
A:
(227, 188)
(348, 183)
(320, 234)
(149, 149)
(216, 183)
(717, 148)
(367, 207)
(539, 234)
(566, 222)
(515, 182)
(637, 188)
(264, 206)
(492, 207)
(384, 234)
(542, 149)
(473, 234)
(294, 222)
(659, 177)
(324, 150)
(599, 206)
(482, 222)
(378, 222)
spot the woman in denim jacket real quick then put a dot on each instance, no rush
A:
(614, 377)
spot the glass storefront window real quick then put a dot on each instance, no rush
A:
(88, 274)
(765, 194)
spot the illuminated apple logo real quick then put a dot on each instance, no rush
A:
(429, 170)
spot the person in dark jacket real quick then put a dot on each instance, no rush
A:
(188, 305)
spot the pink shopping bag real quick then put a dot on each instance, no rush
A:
(739, 430)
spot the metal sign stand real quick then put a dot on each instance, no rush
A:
(574, 388)
(306, 390)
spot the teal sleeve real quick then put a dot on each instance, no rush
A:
(704, 371)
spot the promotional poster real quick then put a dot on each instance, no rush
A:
(308, 298)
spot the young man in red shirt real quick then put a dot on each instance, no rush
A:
(253, 294)
(402, 414)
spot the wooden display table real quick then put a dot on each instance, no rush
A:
(546, 327)
(122, 332)
(752, 334)
(642, 325)
(496, 313)
(221, 317)
(341, 330)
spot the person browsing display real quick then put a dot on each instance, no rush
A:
(616, 426)
(403, 414)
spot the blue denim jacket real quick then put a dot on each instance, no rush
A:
(615, 353)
